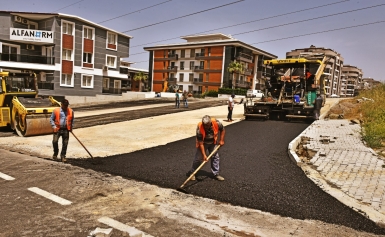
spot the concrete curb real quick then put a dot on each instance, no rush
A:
(321, 182)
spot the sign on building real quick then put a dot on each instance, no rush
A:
(31, 35)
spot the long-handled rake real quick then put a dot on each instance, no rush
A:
(181, 189)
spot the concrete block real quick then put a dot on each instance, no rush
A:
(99, 232)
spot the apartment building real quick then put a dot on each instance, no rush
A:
(332, 70)
(351, 80)
(69, 54)
(200, 64)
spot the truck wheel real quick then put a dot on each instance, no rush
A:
(20, 124)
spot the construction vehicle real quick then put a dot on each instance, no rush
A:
(291, 90)
(21, 108)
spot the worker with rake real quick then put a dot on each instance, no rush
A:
(206, 140)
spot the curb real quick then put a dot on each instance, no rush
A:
(321, 182)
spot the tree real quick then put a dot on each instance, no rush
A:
(235, 67)
(140, 76)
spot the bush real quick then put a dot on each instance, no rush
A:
(211, 93)
(229, 91)
(373, 116)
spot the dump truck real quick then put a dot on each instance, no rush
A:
(291, 89)
(20, 106)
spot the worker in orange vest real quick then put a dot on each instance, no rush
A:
(62, 123)
(206, 140)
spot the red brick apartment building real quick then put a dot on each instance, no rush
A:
(200, 64)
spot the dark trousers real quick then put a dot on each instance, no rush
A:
(230, 114)
(55, 142)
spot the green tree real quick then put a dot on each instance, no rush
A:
(140, 76)
(235, 67)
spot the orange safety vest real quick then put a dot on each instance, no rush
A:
(69, 118)
(308, 74)
(203, 132)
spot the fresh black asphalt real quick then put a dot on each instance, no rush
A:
(258, 171)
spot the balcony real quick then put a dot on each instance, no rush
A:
(24, 58)
(172, 80)
(242, 84)
(117, 91)
(245, 57)
(202, 56)
(202, 69)
(169, 57)
(168, 69)
(198, 69)
(198, 80)
(248, 72)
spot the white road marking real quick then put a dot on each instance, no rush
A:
(6, 177)
(132, 231)
(50, 196)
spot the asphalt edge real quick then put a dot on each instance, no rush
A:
(321, 182)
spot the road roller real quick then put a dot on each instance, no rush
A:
(20, 106)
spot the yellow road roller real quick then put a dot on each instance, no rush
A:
(21, 108)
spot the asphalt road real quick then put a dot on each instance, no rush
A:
(258, 172)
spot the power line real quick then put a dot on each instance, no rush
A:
(320, 32)
(313, 33)
(134, 11)
(310, 19)
(261, 19)
(68, 5)
(184, 16)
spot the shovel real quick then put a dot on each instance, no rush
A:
(181, 189)
(81, 144)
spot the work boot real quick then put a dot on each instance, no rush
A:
(63, 159)
(54, 157)
(219, 178)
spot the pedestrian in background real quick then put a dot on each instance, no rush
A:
(207, 133)
(62, 123)
(230, 108)
(318, 102)
(184, 96)
(177, 100)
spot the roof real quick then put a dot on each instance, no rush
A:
(44, 15)
(224, 42)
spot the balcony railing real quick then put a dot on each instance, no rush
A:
(198, 68)
(242, 84)
(168, 69)
(171, 79)
(245, 57)
(173, 56)
(23, 58)
(198, 80)
(247, 72)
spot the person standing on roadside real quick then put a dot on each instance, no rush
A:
(177, 101)
(207, 133)
(317, 105)
(62, 123)
(230, 108)
(184, 96)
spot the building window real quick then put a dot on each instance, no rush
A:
(66, 80)
(67, 54)
(190, 77)
(67, 28)
(87, 57)
(182, 53)
(191, 65)
(87, 81)
(88, 33)
(181, 65)
(207, 76)
(192, 53)
(181, 77)
(111, 40)
(111, 61)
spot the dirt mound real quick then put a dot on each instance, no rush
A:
(345, 109)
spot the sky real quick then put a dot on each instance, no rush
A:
(353, 28)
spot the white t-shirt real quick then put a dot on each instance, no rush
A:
(231, 102)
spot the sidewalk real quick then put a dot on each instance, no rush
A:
(343, 166)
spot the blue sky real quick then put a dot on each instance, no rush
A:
(362, 46)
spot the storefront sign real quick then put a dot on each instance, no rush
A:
(31, 35)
